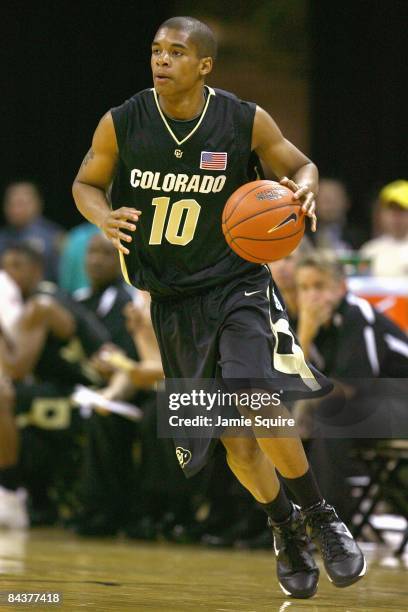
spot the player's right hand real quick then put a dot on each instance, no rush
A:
(123, 218)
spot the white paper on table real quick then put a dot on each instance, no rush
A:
(89, 399)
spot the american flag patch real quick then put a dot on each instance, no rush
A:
(213, 161)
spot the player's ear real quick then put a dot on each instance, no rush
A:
(206, 65)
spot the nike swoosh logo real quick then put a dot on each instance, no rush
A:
(247, 293)
(292, 217)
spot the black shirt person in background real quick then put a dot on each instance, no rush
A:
(55, 337)
(110, 485)
(348, 340)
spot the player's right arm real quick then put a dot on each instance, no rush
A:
(92, 183)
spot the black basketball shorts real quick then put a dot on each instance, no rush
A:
(238, 331)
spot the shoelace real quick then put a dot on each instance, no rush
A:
(331, 540)
(295, 543)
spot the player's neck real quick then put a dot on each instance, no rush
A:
(184, 105)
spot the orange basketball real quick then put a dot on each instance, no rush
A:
(261, 221)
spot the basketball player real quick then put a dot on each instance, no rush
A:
(174, 154)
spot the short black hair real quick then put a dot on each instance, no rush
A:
(200, 34)
(28, 250)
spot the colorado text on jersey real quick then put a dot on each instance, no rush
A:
(177, 182)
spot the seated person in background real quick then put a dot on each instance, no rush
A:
(169, 499)
(54, 334)
(347, 339)
(352, 337)
(333, 232)
(110, 489)
(13, 512)
(389, 251)
(22, 208)
(283, 272)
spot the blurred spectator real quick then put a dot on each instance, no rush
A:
(352, 337)
(283, 273)
(348, 339)
(110, 486)
(155, 496)
(23, 206)
(168, 497)
(72, 272)
(46, 359)
(13, 512)
(333, 231)
(389, 251)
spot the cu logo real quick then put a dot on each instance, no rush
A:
(183, 456)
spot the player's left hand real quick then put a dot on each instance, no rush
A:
(306, 196)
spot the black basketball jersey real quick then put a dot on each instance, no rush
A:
(181, 185)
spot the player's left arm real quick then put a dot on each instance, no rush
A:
(291, 166)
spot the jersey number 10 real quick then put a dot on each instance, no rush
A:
(181, 224)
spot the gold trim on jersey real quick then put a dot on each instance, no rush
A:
(124, 268)
(211, 92)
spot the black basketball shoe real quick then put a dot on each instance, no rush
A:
(297, 571)
(343, 560)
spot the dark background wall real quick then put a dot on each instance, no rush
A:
(359, 107)
(65, 63)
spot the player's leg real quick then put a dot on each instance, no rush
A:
(13, 511)
(190, 335)
(257, 346)
(284, 449)
(297, 572)
(253, 469)
(343, 559)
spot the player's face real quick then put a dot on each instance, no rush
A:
(175, 65)
(25, 273)
(102, 264)
(318, 287)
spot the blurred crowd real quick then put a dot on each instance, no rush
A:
(68, 322)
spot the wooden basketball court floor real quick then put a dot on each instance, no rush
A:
(118, 575)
